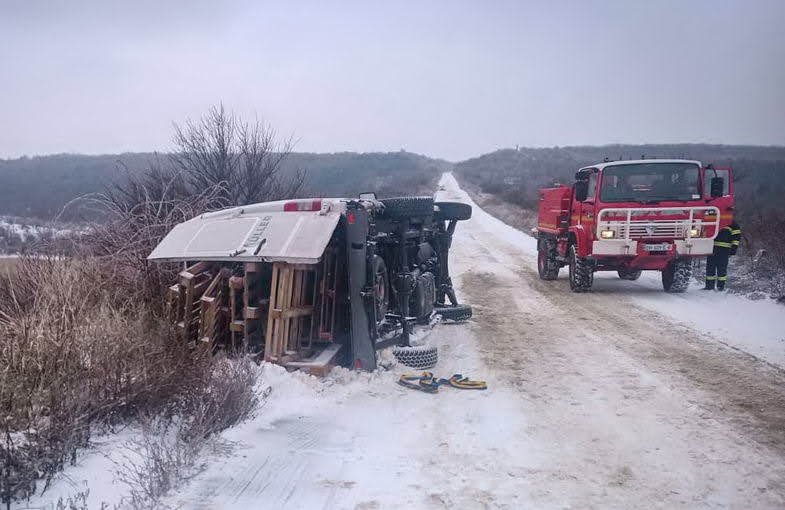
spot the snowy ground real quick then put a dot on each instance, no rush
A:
(623, 397)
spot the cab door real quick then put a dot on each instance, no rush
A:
(587, 207)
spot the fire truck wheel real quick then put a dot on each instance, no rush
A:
(405, 207)
(547, 265)
(581, 272)
(453, 211)
(454, 313)
(676, 277)
(626, 274)
(421, 357)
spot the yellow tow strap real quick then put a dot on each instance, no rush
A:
(430, 384)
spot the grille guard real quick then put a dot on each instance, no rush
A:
(630, 228)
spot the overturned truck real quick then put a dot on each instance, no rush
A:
(311, 283)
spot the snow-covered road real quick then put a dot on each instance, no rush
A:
(624, 397)
(619, 398)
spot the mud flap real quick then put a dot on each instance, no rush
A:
(363, 353)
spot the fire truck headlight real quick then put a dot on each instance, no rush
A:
(608, 234)
(695, 232)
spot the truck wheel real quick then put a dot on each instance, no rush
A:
(381, 296)
(454, 313)
(422, 356)
(547, 265)
(676, 277)
(626, 274)
(581, 272)
(404, 207)
(453, 211)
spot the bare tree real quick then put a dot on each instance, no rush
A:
(244, 158)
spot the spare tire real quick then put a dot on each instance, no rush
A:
(454, 313)
(405, 207)
(453, 211)
(421, 357)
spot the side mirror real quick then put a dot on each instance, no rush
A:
(581, 190)
(717, 187)
(368, 196)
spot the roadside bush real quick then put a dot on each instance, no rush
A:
(168, 448)
(78, 355)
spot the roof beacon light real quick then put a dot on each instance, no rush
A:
(303, 205)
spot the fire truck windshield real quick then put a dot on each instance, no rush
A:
(650, 182)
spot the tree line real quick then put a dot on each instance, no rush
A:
(759, 179)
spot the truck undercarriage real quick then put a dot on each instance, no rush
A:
(311, 284)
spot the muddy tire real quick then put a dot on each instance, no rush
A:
(454, 313)
(420, 357)
(406, 207)
(676, 277)
(547, 265)
(581, 272)
(453, 211)
(629, 275)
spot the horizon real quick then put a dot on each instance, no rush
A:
(436, 158)
(451, 80)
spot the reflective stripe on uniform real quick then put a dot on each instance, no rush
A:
(735, 232)
(735, 243)
(711, 277)
(721, 244)
(722, 278)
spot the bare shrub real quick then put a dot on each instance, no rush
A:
(243, 158)
(76, 355)
(85, 343)
(166, 452)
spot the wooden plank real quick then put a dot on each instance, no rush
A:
(303, 267)
(291, 313)
(293, 339)
(199, 267)
(268, 343)
(321, 364)
(285, 304)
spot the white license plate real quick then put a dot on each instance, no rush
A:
(657, 247)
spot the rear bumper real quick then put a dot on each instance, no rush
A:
(631, 248)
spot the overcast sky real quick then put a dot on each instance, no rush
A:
(448, 79)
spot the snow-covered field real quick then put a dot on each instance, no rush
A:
(623, 397)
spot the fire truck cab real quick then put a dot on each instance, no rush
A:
(631, 216)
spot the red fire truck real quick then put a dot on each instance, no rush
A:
(630, 216)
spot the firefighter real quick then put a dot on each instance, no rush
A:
(726, 244)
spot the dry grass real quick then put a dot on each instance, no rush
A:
(83, 338)
(7, 265)
(78, 354)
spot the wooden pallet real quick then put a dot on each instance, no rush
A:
(290, 318)
(185, 296)
(286, 311)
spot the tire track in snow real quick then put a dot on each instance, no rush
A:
(655, 410)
